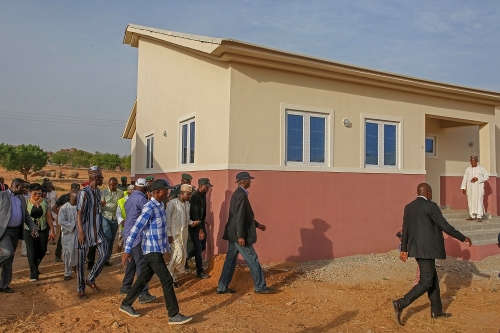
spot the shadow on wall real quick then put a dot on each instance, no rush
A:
(487, 192)
(223, 215)
(314, 241)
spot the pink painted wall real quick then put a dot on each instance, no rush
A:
(457, 249)
(452, 196)
(313, 215)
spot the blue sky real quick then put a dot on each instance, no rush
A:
(65, 60)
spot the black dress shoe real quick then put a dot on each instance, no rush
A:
(266, 291)
(7, 290)
(397, 311)
(440, 315)
(227, 291)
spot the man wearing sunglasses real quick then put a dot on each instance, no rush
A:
(13, 216)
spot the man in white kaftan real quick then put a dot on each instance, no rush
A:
(69, 234)
(473, 186)
(177, 231)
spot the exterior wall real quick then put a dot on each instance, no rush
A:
(175, 85)
(256, 124)
(133, 157)
(311, 222)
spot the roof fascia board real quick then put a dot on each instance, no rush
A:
(199, 43)
(129, 130)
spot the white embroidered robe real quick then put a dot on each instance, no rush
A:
(475, 191)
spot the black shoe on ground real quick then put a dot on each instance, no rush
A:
(266, 291)
(67, 277)
(108, 263)
(7, 290)
(440, 315)
(227, 291)
(397, 311)
(146, 298)
(89, 267)
(58, 259)
(203, 276)
(124, 291)
(129, 310)
(179, 319)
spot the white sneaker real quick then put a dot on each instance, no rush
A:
(33, 280)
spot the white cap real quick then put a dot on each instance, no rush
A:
(140, 182)
(130, 187)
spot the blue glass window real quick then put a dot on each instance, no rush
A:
(294, 138)
(390, 145)
(317, 139)
(371, 144)
(429, 146)
(184, 143)
(191, 142)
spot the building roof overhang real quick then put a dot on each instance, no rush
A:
(232, 50)
(129, 130)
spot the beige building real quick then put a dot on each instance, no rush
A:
(336, 150)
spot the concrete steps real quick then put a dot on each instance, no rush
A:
(481, 233)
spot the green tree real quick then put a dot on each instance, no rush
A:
(22, 158)
(60, 157)
(126, 162)
(81, 159)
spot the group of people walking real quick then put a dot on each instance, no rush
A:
(153, 222)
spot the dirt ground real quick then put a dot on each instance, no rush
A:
(62, 183)
(349, 294)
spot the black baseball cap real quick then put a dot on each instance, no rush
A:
(159, 184)
(204, 181)
(242, 176)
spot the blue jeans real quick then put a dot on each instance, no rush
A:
(110, 228)
(248, 253)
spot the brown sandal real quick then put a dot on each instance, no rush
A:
(93, 286)
(470, 219)
(81, 295)
(479, 220)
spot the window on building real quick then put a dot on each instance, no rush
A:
(149, 151)
(430, 146)
(306, 138)
(381, 144)
(187, 141)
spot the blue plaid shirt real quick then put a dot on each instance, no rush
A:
(152, 226)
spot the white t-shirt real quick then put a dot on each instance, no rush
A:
(52, 198)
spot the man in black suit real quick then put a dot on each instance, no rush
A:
(241, 233)
(423, 226)
(197, 230)
(13, 217)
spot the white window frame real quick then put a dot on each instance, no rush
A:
(382, 120)
(306, 152)
(433, 137)
(188, 141)
(150, 151)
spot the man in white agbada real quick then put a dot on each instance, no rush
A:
(69, 234)
(473, 186)
(177, 231)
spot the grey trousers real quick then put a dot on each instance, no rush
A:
(134, 267)
(8, 246)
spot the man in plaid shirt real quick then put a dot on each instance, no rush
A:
(152, 225)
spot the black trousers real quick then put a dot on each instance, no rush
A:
(198, 247)
(154, 264)
(429, 283)
(134, 267)
(8, 245)
(59, 247)
(91, 256)
(35, 249)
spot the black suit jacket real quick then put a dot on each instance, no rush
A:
(423, 226)
(241, 222)
(198, 209)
